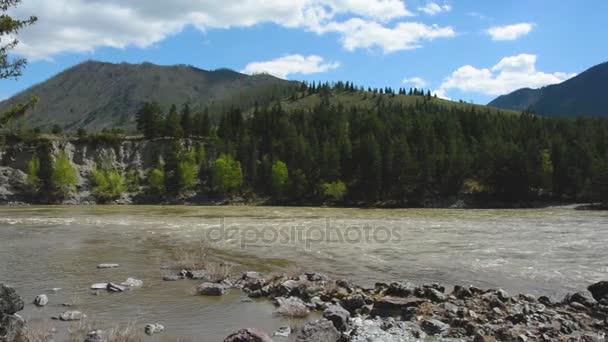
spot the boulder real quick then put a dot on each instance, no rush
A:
(106, 266)
(321, 330)
(401, 289)
(172, 277)
(316, 277)
(354, 302)
(154, 328)
(12, 328)
(211, 289)
(96, 336)
(581, 298)
(99, 286)
(434, 326)
(338, 316)
(283, 331)
(198, 275)
(394, 306)
(132, 282)
(41, 300)
(71, 316)
(248, 335)
(292, 307)
(461, 292)
(10, 302)
(115, 287)
(599, 290)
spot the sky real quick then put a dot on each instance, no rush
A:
(472, 50)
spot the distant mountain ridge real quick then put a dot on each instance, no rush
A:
(585, 94)
(96, 95)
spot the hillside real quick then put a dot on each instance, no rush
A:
(96, 95)
(585, 94)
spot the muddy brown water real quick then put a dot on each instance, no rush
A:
(548, 251)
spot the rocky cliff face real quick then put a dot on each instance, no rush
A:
(139, 154)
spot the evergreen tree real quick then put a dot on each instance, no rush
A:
(173, 127)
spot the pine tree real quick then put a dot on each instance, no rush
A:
(187, 121)
(173, 127)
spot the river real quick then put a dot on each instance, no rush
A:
(548, 251)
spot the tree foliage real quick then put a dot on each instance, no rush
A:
(107, 184)
(227, 174)
(12, 67)
(64, 176)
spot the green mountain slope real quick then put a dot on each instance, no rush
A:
(96, 95)
(585, 94)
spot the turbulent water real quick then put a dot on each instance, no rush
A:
(550, 252)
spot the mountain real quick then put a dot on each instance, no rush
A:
(585, 94)
(96, 95)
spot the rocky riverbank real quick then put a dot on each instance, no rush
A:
(399, 311)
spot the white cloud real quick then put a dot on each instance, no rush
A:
(84, 25)
(293, 64)
(510, 32)
(417, 82)
(510, 74)
(362, 34)
(432, 8)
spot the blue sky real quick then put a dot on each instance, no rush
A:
(460, 49)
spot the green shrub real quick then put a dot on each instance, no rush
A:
(279, 178)
(33, 168)
(227, 174)
(334, 191)
(64, 176)
(108, 184)
(156, 180)
(132, 180)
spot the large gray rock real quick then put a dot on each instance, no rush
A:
(68, 316)
(10, 302)
(599, 290)
(211, 289)
(338, 316)
(434, 326)
(321, 330)
(292, 307)
(248, 335)
(132, 282)
(41, 300)
(154, 328)
(379, 330)
(96, 336)
(13, 328)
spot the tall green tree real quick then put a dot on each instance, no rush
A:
(149, 119)
(280, 178)
(12, 67)
(227, 174)
(173, 126)
(64, 176)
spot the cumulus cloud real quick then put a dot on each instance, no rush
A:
(358, 33)
(432, 8)
(84, 25)
(510, 74)
(417, 82)
(292, 64)
(510, 32)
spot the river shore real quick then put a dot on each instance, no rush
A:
(338, 310)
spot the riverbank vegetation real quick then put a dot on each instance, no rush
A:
(411, 153)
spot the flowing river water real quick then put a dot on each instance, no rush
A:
(548, 251)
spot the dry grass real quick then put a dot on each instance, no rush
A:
(294, 272)
(40, 332)
(198, 258)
